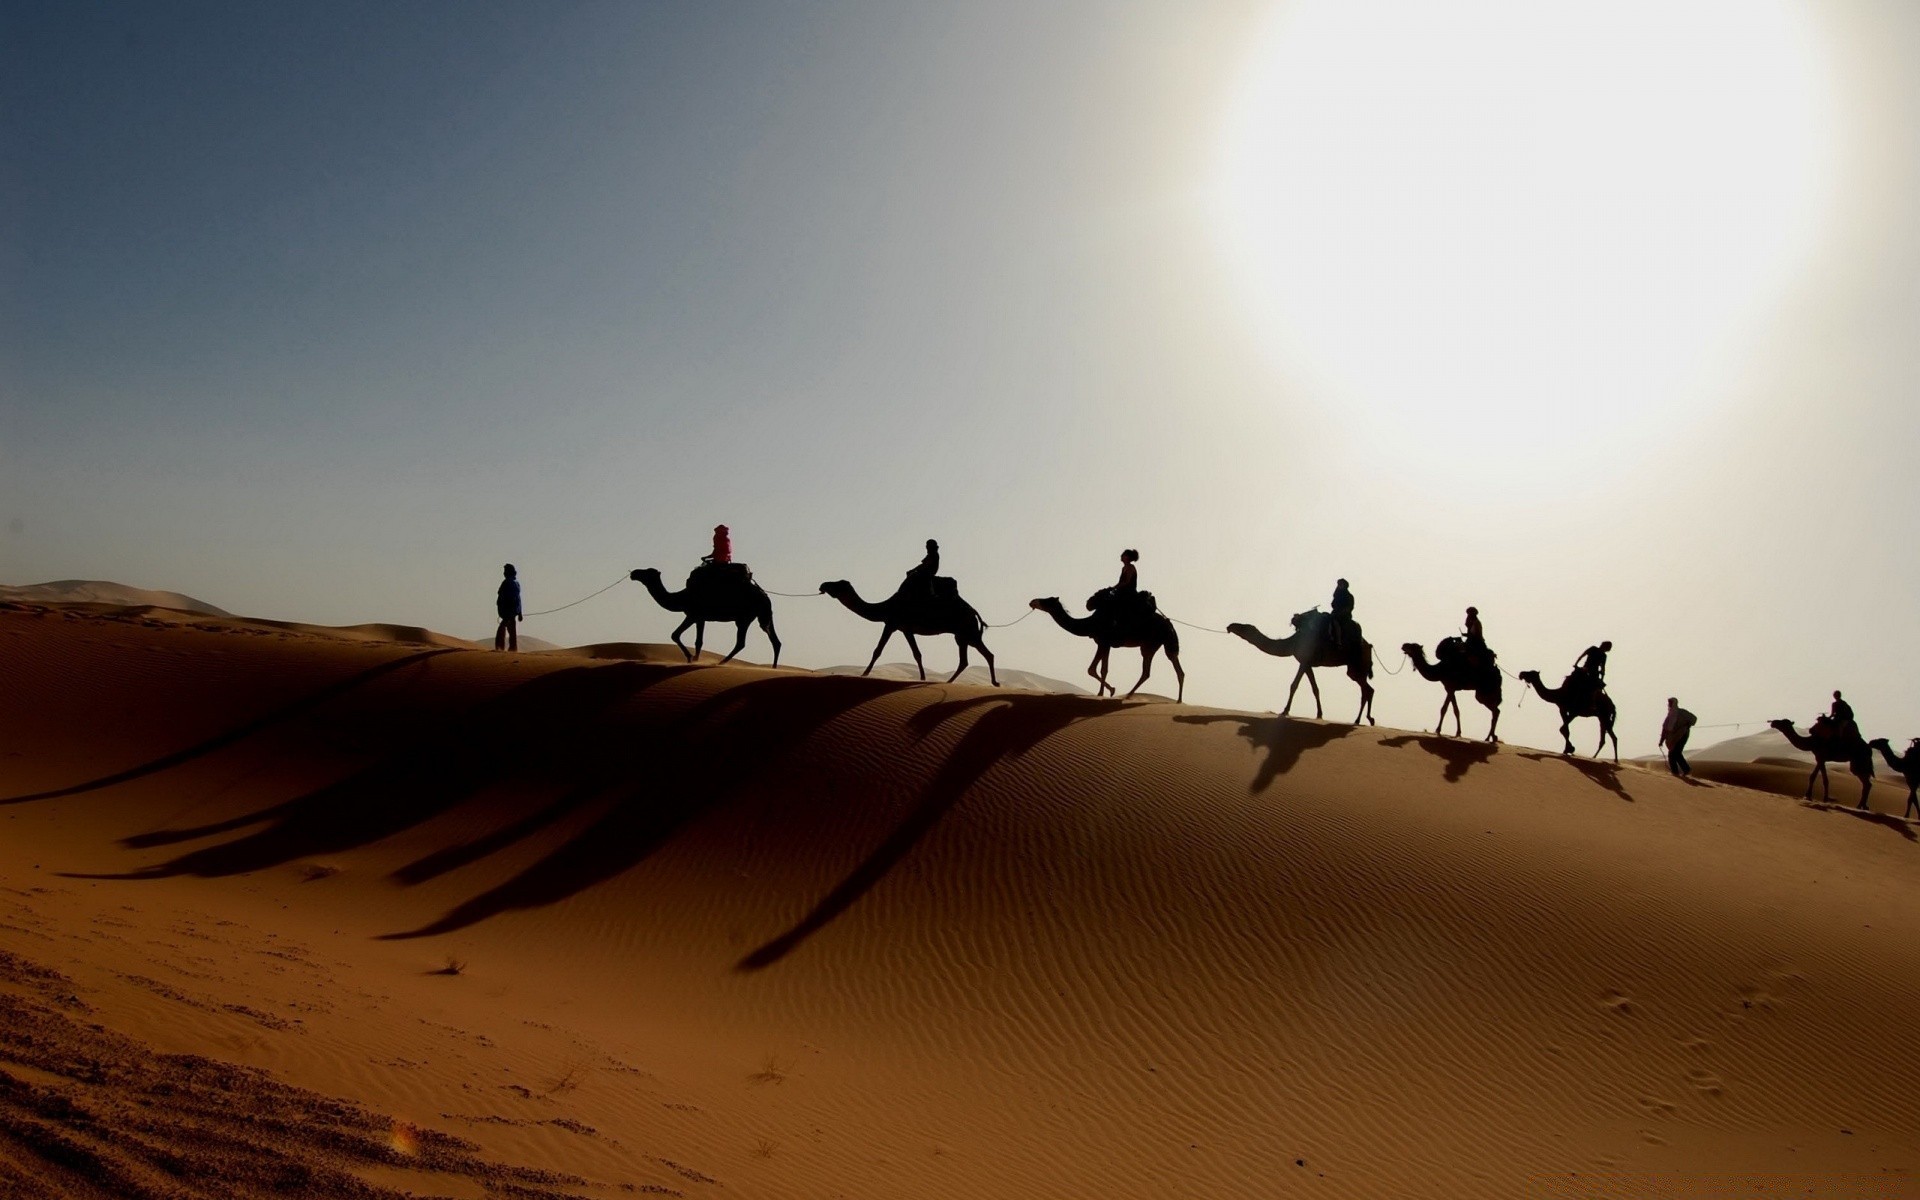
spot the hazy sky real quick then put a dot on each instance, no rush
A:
(1608, 326)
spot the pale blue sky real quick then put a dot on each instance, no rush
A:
(324, 311)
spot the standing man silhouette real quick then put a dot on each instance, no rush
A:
(506, 603)
(1673, 735)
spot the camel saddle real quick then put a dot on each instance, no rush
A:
(716, 576)
(1458, 649)
(1114, 603)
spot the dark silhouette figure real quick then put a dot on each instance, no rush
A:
(1458, 669)
(1129, 582)
(1842, 716)
(1283, 740)
(1341, 606)
(1475, 634)
(722, 546)
(1909, 767)
(1459, 756)
(714, 592)
(921, 577)
(506, 603)
(1673, 735)
(932, 608)
(1117, 625)
(1828, 742)
(1593, 663)
(1578, 697)
(1312, 644)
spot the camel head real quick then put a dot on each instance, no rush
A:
(1881, 744)
(1240, 629)
(1047, 604)
(839, 589)
(1412, 649)
(641, 575)
(1783, 725)
(1532, 677)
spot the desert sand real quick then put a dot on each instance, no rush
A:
(297, 911)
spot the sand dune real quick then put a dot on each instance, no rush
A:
(101, 591)
(973, 676)
(611, 920)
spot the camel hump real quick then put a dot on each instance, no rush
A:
(946, 587)
(720, 575)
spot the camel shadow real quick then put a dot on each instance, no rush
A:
(1460, 756)
(661, 782)
(1607, 775)
(1284, 739)
(548, 725)
(1885, 820)
(1011, 727)
(238, 733)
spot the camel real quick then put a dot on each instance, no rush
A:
(731, 596)
(1457, 673)
(912, 611)
(1909, 768)
(1575, 703)
(1828, 744)
(1148, 630)
(1310, 647)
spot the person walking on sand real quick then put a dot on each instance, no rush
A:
(1673, 735)
(506, 602)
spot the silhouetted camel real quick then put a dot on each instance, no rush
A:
(1575, 703)
(1457, 673)
(911, 610)
(729, 596)
(1826, 745)
(1311, 647)
(1148, 630)
(1909, 767)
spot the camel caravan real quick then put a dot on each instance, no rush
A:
(929, 604)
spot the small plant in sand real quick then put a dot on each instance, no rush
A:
(765, 1147)
(453, 966)
(572, 1077)
(771, 1071)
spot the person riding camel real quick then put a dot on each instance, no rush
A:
(722, 547)
(1591, 667)
(1342, 610)
(1841, 714)
(1128, 586)
(1475, 635)
(921, 576)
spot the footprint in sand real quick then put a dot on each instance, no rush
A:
(1706, 1082)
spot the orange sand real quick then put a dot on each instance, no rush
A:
(598, 924)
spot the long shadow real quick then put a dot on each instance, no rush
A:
(671, 775)
(1011, 727)
(542, 727)
(1460, 756)
(1284, 739)
(237, 733)
(1607, 775)
(1899, 825)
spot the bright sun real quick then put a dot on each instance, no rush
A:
(1535, 229)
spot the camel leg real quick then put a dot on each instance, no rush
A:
(1146, 666)
(1179, 679)
(773, 639)
(699, 637)
(1440, 724)
(1606, 731)
(1297, 676)
(886, 635)
(1319, 713)
(739, 640)
(1493, 728)
(675, 635)
(1566, 724)
(915, 647)
(962, 643)
(1866, 786)
(980, 644)
(1366, 703)
(1913, 803)
(1098, 669)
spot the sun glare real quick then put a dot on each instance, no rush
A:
(1516, 228)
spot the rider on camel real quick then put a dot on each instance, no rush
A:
(1842, 716)
(722, 546)
(921, 577)
(1342, 606)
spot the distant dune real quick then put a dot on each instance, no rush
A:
(100, 591)
(373, 915)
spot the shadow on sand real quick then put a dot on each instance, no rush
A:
(1606, 774)
(238, 733)
(1459, 755)
(1284, 739)
(1010, 727)
(1899, 825)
